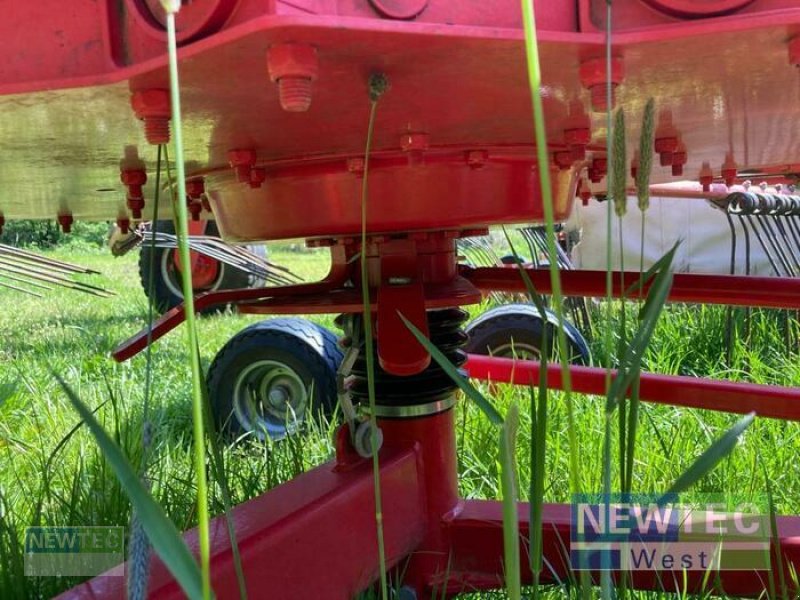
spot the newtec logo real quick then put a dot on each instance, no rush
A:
(652, 532)
(73, 551)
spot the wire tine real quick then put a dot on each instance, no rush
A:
(26, 281)
(4, 248)
(19, 289)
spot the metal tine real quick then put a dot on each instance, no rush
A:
(779, 214)
(23, 254)
(27, 281)
(58, 280)
(763, 215)
(743, 204)
(26, 262)
(19, 289)
(231, 255)
(248, 258)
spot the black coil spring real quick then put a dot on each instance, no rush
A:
(446, 331)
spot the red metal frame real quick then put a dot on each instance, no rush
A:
(314, 537)
(451, 151)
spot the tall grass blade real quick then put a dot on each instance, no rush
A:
(538, 431)
(508, 482)
(458, 377)
(171, 7)
(378, 85)
(709, 459)
(631, 360)
(163, 535)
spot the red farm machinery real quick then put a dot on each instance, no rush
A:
(275, 97)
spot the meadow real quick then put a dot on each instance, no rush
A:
(52, 472)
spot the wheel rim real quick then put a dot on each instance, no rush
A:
(516, 350)
(269, 399)
(207, 273)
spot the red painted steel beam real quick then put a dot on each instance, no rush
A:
(312, 537)
(476, 535)
(677, 390)
(733, 290)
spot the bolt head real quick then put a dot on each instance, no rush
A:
(242, 156)
(257, 177)
(414, 142)
(195, 188)
(577, 137)
(133, 177)
(477, 158)
(292, 60)
(151, 103)
(355, 165)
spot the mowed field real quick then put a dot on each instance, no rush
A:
(52, 473)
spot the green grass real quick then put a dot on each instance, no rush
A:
(51, 476)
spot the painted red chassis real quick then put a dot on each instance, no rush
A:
(452, 151)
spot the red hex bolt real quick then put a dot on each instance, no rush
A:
(294, 67)
(679, 158)
(729, 170)
(476, 158)
(153, 107)
(665, 147)
(136, 205)
(563, 159)
(242, 160)
(576, 140)
(124, 224)
(257, 177)
(355, 165)
(593, 75)
(195, 188)
(65, 220)
(706, 177)
(133, 179)
(599, 168)
(195, 208)
(584, 192)
(414, 144)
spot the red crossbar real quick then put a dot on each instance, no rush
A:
(733, 290)
(693, 392)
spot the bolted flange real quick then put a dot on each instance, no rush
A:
(294, 67)
(593, 75)
(153, 107)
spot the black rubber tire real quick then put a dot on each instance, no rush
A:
(497, 330)
(309, 350)
(167, 295)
